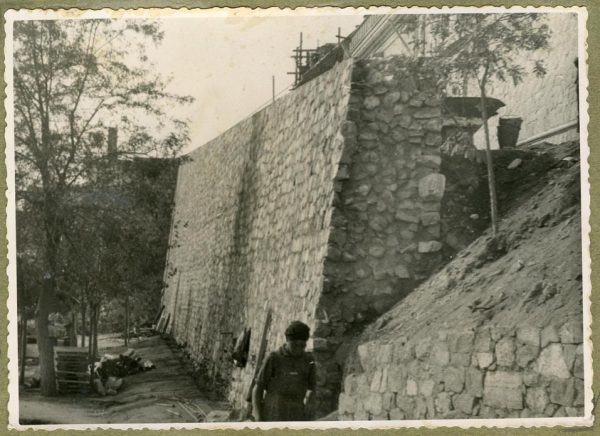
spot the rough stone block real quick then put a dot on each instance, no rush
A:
(570, 353)
(376, 381)
(460, 359)
(483, 341)
(391, 98)
(430, 218)
(484, 360)
(464, 403)
(574, 411)
(454, 379)
(396, 414)
(433, 139)
(579, 393)
(433, 125)
(440, 355)
(551, 362)
(530, 377)
(474, 382)
(365, 353)
(420, 408)
(537, 399)
(578, 366)
(408, 215)
(498, 332)
(549, 335)
(432, 186)
(396, 378)
(426, 387)
(571, 333)
(406, 404)
(562, 392)
(427, 112)
(463, 342)
(503, 390)
(505, 352)
(529, 336)
(443, 403)
(401, 271)
(423, 348)
(411, 387)
(550, 409)
(388, 401)
(377, 251)
(346, 403)
(374, 403)
(371, 102)
(526, 354)
(429, 246)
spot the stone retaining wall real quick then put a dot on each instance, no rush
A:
(385, 234)
(324, 207)
(251, 226)
(493, 372)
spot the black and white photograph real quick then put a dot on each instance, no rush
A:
(309, 218)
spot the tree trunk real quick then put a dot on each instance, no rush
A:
(91, 358)
(126, 318)
(23, 350)
(83, 325)
(73, 330)
(95, 337)
(44, 341)
(489, 162)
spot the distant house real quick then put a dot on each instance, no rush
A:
(548, 106)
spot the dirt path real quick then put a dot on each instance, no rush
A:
(166, 394)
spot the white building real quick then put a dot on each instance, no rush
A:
(548, 105)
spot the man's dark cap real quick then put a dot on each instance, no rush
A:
(297, 330)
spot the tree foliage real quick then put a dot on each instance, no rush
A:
(72, 80)
(487, 48)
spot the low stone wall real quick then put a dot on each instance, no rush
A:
(493, 372)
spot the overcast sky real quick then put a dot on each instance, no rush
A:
(227, 63)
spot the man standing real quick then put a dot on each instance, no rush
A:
(285, 385)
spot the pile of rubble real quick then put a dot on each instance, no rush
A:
(111, 369)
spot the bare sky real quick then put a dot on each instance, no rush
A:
(227, 64)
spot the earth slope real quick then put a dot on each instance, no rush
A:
(531, 272)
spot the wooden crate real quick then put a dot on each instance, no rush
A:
(70, 367)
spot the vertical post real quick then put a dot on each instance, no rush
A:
(23, 356)
(127, 317)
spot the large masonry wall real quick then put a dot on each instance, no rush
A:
(324, 207)
(251, 226)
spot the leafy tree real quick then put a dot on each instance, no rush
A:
(483, 48)
(72, 80)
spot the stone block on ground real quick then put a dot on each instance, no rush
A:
(503, 389)
(474, 382)
(562, 392)
(551, 362)
(454, 379)
(537, 400)
(505, 352)
(464, 403)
